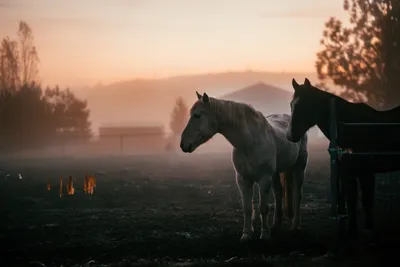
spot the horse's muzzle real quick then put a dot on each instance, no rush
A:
(187, 148)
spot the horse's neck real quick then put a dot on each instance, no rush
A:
(345, 111)
(238, 135)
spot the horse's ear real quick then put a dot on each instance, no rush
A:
(307, 82)
(198, 95)
(295, 84)
(205, 98)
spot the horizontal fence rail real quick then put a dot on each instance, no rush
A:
(370, 124)
(374, 149)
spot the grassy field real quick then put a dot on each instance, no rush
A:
(181, 210)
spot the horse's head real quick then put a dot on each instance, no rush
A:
(304, 107)
(202, 124)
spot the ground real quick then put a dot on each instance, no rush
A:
(181, 210)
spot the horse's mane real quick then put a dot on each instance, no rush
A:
(237, 113)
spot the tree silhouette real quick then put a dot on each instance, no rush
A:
(179, 117)
(364, 57)
(18, 60)
(29, 115)
(69, 116)
(9, 65)
(28, 57)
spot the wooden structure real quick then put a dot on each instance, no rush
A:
(377, 156)
(133, 139)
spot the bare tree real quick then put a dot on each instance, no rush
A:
(18, 60)
(9, 65)
(28, 55)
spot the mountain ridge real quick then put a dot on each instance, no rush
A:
(140, 100)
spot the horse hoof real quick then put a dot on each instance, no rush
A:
(246, 237)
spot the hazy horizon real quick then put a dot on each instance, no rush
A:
(81, 43)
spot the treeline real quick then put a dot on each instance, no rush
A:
(33, 116)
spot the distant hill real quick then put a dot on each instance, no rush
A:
(144, 101)
(264, 97)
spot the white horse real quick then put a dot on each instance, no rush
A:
(261, 152)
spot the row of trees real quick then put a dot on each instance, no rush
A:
(364, 57)
(30, 115)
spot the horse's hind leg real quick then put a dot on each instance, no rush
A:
(246, 192)
(299, 170)
(367, 186)
(298, 180)
(264, 185)
(277, 190)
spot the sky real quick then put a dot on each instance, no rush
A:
(83, 42)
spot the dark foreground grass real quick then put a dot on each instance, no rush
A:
(152, 211)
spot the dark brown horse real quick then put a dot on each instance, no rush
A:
(311, 106)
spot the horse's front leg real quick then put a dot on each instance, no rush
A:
(264, 185)
(246, 191)
(298, 196)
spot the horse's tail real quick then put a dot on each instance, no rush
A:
(287, 183)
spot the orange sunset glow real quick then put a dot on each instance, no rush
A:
(83, 42)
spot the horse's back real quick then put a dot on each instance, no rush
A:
(288, 153)
(390, 115)
(280, 122)
(367, 137)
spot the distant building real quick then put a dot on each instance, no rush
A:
(132, 139)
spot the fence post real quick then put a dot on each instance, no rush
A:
(333, 158)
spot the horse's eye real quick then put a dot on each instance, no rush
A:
(196, 115)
